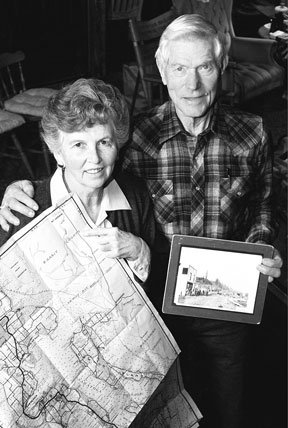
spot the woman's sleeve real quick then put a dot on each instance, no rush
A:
(141, 266)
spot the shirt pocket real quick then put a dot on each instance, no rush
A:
(161, 192)
(234, 193)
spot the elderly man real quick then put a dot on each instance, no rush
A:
(208, 170)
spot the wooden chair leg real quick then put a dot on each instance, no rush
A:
(24, 158)
(135, 93)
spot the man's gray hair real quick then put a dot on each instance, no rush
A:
(191, 27)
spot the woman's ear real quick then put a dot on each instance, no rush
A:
(59, 159)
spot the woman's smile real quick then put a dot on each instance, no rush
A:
(94, 171)
(89, 157)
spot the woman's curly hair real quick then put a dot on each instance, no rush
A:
(81, 105)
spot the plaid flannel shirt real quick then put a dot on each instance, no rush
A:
(216, 185)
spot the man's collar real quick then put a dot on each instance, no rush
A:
(171, 125)
(226, 123)
(113, 198)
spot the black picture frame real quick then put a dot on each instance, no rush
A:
(216, 279)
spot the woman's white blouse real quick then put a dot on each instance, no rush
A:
(113, 200)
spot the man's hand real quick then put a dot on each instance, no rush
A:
(271, 267)
(18, 197)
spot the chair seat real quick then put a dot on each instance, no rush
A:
(9, 121)
(30, 102)
(252, 80)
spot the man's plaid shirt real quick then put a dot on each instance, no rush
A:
(215, 185)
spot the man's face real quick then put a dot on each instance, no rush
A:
(191, 76)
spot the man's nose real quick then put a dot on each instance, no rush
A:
(192, 79)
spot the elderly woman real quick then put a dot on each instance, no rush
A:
(84, 125)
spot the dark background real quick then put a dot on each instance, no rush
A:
(59, 37)
(60, 40)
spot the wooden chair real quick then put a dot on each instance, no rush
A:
(118, 14)
(103, 17)
(9, 122)
(252, 69)
(124, 9)
(145, 37)
(16, 98)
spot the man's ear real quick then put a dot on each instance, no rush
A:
(161, 69)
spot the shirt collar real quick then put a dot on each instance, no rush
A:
(113, 198)
(171, 125)
(225, 123)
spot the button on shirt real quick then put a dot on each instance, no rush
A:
(216, 185)
(113, 199)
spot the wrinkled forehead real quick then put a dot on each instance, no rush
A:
(191, 52)
(191, 43)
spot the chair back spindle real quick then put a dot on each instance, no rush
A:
(19, 104)
(124, 9)
(11, 74)
(145, 37)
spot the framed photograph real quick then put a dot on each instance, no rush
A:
(216, 278)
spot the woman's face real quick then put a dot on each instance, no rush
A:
(88, 156)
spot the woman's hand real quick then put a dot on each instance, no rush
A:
(17, 197)
(114, 242)
(271, 267)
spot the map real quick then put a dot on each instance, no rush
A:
(81, 345)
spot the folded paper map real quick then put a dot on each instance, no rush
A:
(81, 345)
